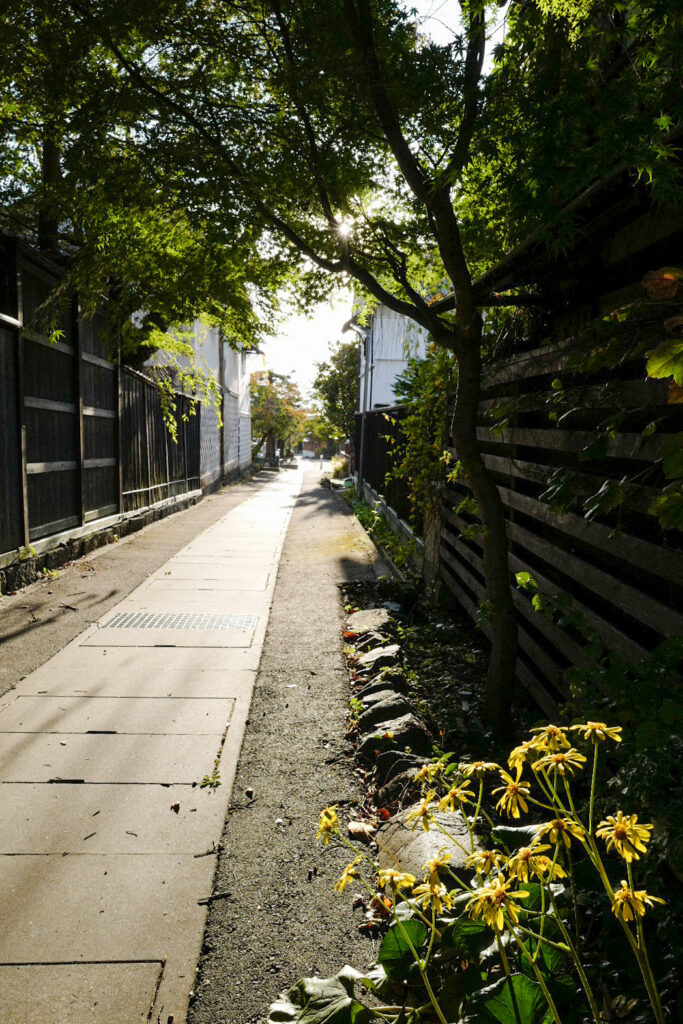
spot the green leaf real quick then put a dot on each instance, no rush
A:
(395, 954)
(321, 1001)
(667, 361)
(463, 933)
(497, 1004)
(609, 497)
(525, 581)
(597, 449)
(671, 454)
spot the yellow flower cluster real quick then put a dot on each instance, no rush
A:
(492, 902)
(623, 833)
(327, 823)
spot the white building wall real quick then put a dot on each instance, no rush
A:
(392, 339)
(229, 368)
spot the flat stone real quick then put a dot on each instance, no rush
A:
(389, 707)
(368, 620)
(407, 731)
(400, 785)
(413, 847)
(79, 993)
(379, 657)
(390, 681)
(393, 762)
(377, 696)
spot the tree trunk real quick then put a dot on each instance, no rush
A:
(48, 226)
(500, 680)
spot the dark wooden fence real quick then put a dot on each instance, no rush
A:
(624, 574)
(621, 570)
(80, 437)
(375, 457)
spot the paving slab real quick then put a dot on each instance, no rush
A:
(243, 586)
(168, 672)
(242, 575)
(251, 602)
(29, 757)
(78, 993)
(66, 908)
(135, 716)
(40, 819)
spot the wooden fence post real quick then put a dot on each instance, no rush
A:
(78, 357)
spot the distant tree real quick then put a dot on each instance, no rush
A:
(336, 388)
(276, 409)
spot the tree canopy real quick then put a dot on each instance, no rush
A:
(336, 388)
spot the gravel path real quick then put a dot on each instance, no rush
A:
(281, 920)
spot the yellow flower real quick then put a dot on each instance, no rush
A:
(625, 835)
(422, 814)
(529, 862)
(347, 874)
(518, 757)
(435, 894)
(543, 866)
(562, 761)
(431, 868)
(459, 795)
(562, 828)
(515, 794)
(396, 879)
(551, 737)
(493, 901)
(484, 861)
(428, 772)
(468, 769)
(598, 731)
(631, 903)
(328, 821)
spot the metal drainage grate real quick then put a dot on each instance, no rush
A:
(181, 620)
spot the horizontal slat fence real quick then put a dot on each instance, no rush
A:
(623, 572)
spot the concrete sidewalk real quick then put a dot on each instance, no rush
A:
(108, 840)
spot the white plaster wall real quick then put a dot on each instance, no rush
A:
(392, 340)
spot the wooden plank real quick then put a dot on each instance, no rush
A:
(536, 363)
(49, 405)
(623, 446)
(542, 697)
(640, 606)
(588, 483)
(660, 561)
(34, 468)
(621, 394)
(88, 357)
(610, 635)
(99, 463)
(55, 346)
(105, 414)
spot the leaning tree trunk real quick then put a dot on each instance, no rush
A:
(500, 681)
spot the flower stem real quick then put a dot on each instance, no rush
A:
(508, 975)
(593, 779)
(577, 960)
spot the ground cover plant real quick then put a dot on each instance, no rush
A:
(543, 919)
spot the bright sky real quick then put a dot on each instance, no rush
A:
(304, 341)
